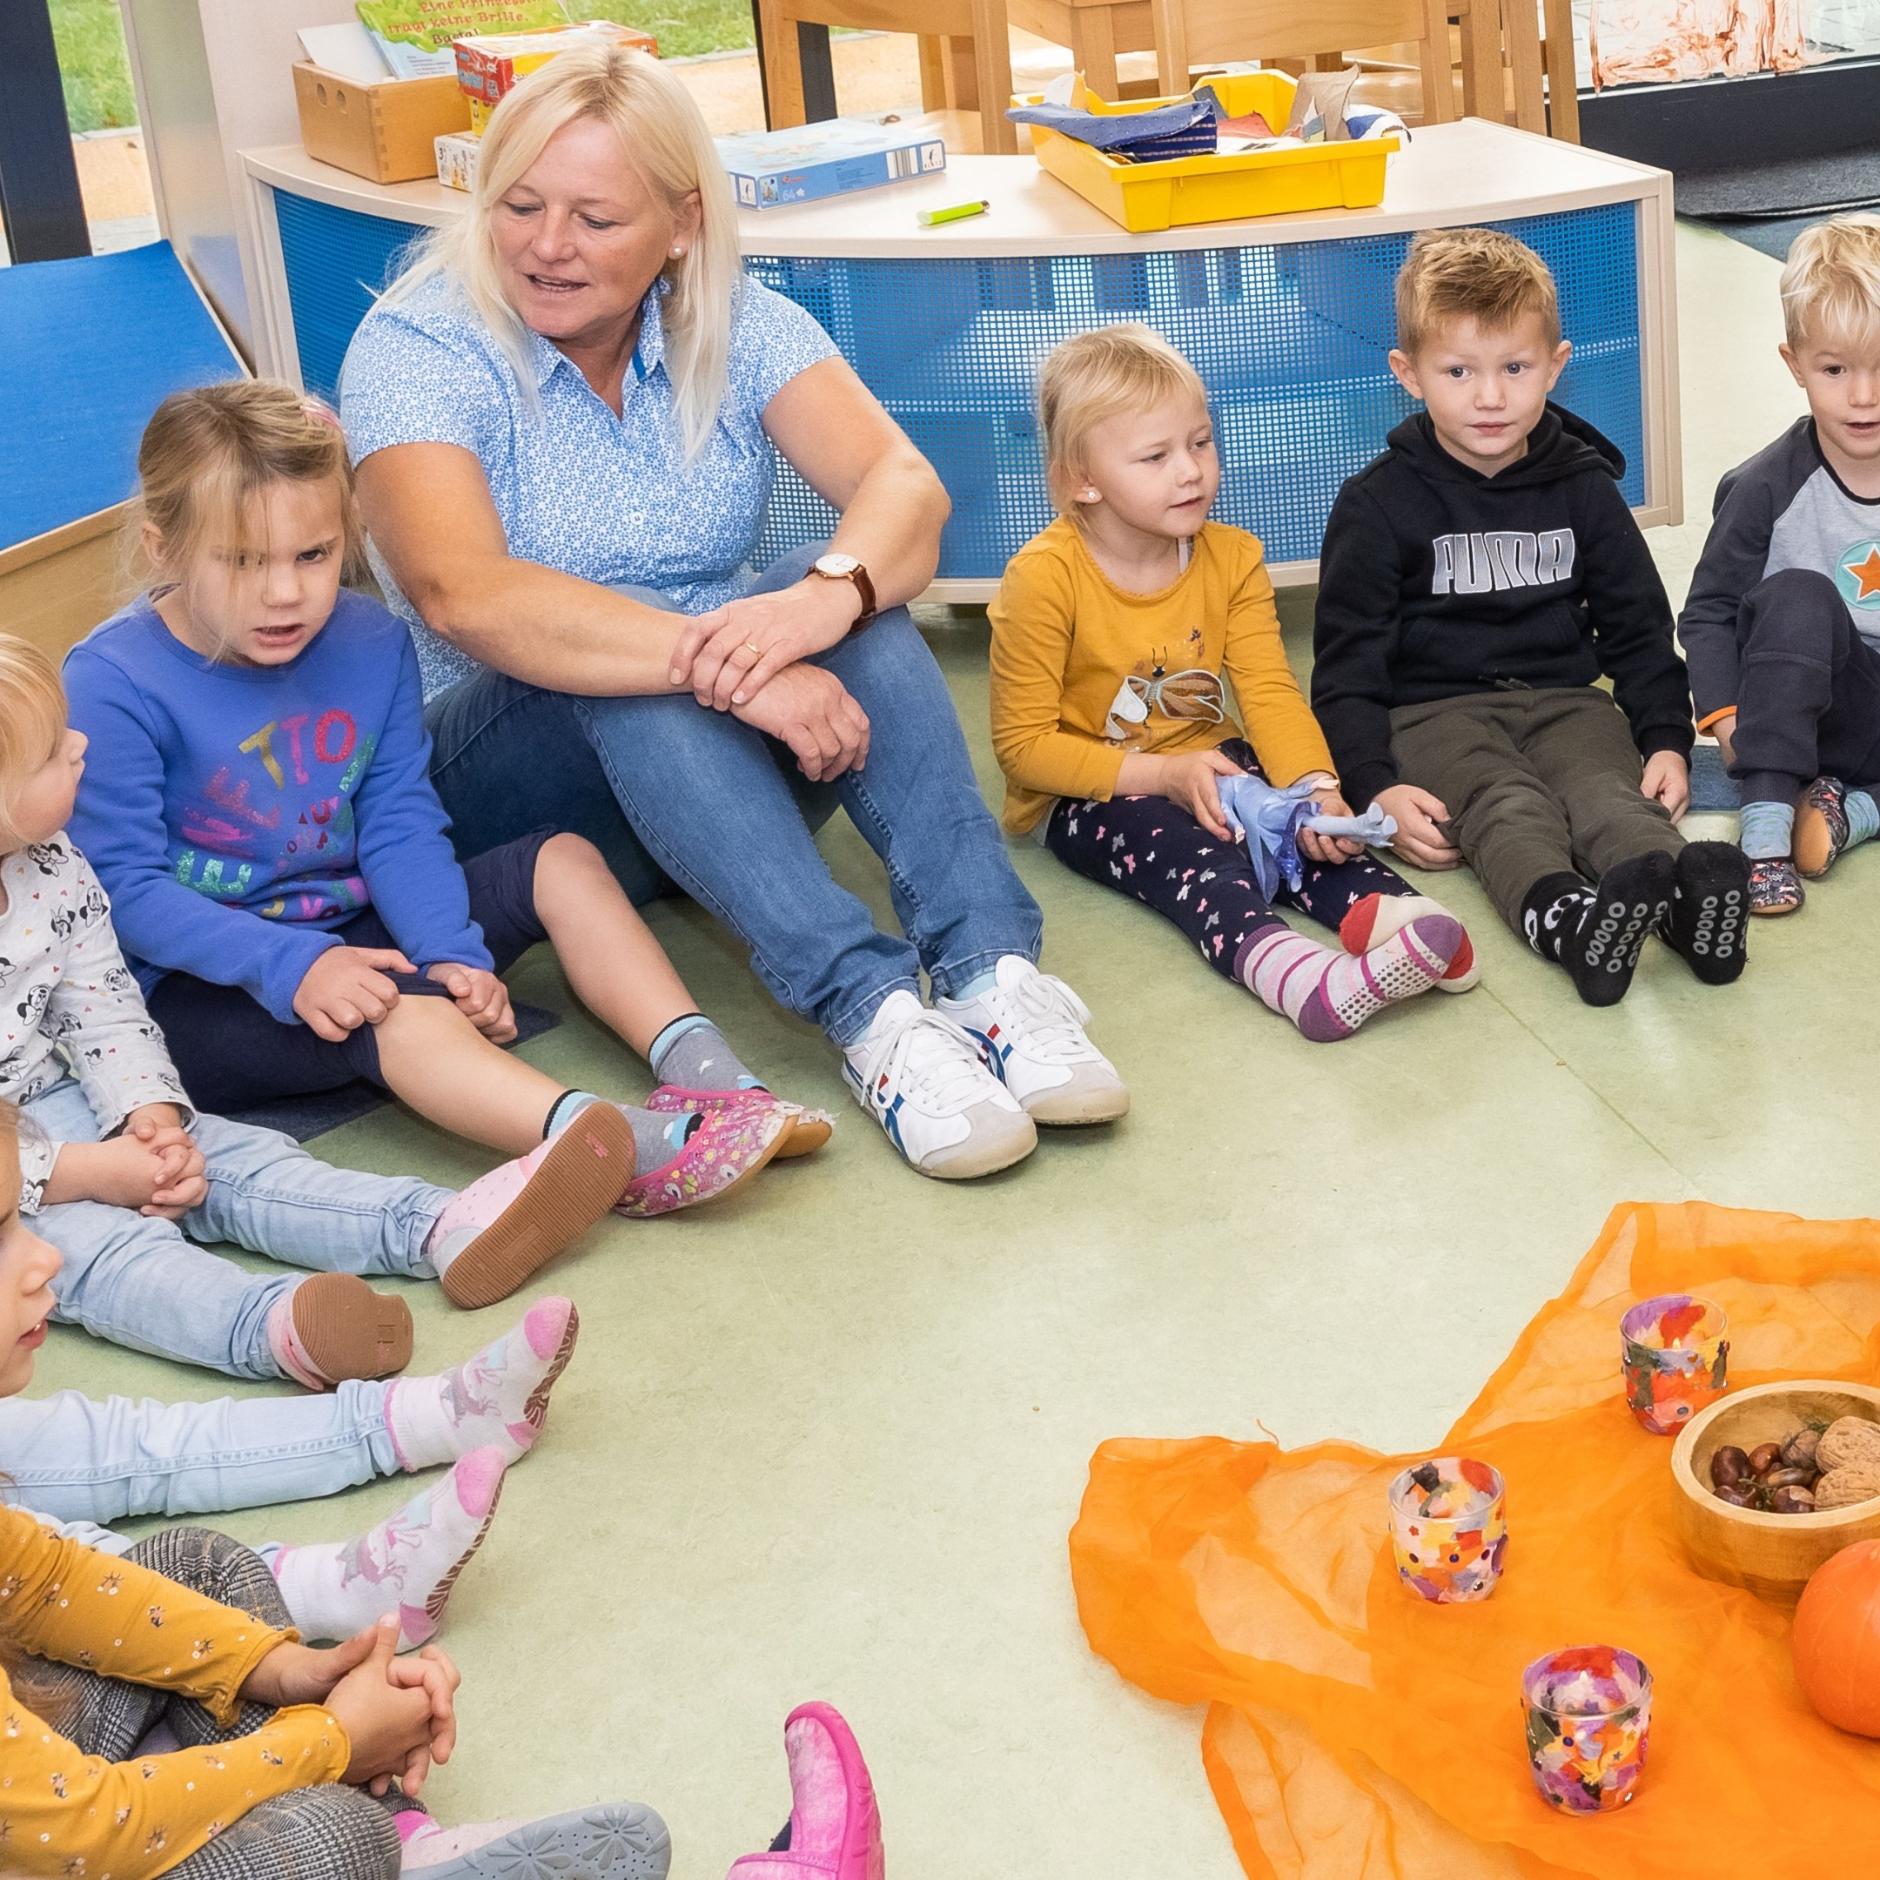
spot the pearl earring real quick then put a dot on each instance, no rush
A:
(678, 254)
(1087, 494)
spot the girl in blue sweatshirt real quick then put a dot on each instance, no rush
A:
(259, 808)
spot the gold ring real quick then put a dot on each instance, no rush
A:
(756, 652)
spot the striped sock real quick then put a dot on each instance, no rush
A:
(1328, 994)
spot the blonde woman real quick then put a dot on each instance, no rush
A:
(563, 416)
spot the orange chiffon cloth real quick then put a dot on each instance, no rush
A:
(1354, 1732)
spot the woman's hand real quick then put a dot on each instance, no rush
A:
(812, 712)
(346, 987)
(727, 657)
(1328, 851)
(480, 996)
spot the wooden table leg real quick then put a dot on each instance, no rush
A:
(819, 74)
(933, 72)
(1093, 49)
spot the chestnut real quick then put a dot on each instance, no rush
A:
(1788, 1478)
(1764, 1457)
(1729, 1464)
(1792, 1500)
(1737, 1494)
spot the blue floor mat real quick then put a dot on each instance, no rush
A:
(88, 350)
(303, 1118)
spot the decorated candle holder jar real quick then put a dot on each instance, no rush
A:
(1589, 1717)
(1449, 1529)
(1674, 1358)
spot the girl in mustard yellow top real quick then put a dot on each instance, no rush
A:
(1114, 636)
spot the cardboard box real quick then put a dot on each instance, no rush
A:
(457, 154)
(387, 131)
(489, 65)
(805, 164)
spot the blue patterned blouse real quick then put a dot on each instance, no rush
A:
(609, 499)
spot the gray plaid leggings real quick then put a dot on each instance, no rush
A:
(328, 1833)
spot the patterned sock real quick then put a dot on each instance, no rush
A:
(1551, 912)
(289, 1353)
(1328, 994)
(1767, 830)
(1599, 944)
(1372, 921)
(1708, 922)
(657, 1137)
(406, 1565)
(694, 1054)
(430, 1844)
(497, 1399)
(1863, 817)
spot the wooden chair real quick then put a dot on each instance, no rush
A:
(978, 24)
(1555, 109)
(1189, 33)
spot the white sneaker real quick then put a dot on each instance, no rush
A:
(922, 1078)
(1031, 1028)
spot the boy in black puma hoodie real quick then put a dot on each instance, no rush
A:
(1476, 580)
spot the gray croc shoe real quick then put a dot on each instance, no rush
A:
(610, 1841)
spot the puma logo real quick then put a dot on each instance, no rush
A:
(1486, 562)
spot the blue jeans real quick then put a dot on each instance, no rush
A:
(138, 1281)
(713, 808)
(77, 1458)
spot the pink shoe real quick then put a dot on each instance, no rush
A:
(808, 1131)
(498, 1233)
(729, 1146)
(835, 1827)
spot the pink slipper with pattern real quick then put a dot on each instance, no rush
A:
(808, 1131)
(727, 1148)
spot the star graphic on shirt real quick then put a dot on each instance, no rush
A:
(1866, 573)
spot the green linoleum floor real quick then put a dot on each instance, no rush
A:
(827, 1439)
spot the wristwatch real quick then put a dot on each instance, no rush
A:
(847, 568)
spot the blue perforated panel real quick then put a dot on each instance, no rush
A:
(1289, 340)
(336, 261)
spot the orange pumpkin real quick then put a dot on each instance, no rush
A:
(1836, 1640)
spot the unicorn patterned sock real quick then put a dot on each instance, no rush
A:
(497, 1398)
(406, 1565)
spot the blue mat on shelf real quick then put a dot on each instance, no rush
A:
(1712, 787)
(303, 1118)
(88, 350)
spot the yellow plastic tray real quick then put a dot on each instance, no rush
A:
(1144, 197)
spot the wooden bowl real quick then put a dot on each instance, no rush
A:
(1771, 1554)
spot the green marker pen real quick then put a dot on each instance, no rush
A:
(932, 218)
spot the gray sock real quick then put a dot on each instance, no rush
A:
(657, 1137)
(694, 1054)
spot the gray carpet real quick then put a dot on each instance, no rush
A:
(1766, 205)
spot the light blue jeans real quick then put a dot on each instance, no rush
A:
(716, 807)
(73, 1458)
(139, 1282)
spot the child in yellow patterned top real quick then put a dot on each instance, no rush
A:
(1115, 635)
(186, 1639)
